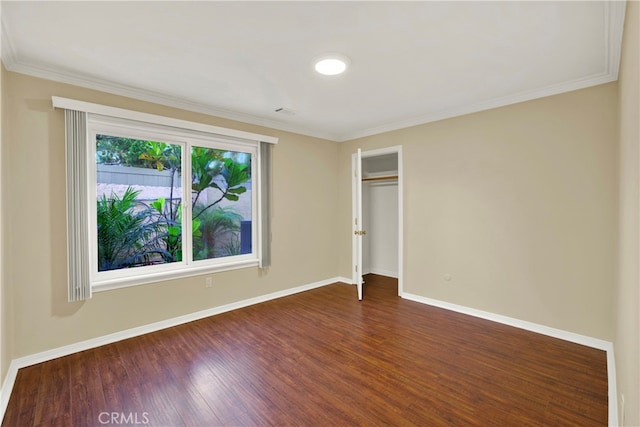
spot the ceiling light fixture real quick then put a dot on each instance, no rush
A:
(331, 65)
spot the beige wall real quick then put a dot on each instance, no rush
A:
(305, 184)
(518, 204)
(627, 297)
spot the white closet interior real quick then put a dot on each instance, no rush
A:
(380, 215)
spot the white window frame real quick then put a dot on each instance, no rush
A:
(118, 122)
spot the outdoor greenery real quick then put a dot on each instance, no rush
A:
(133, 233)
(124, 235)
(221, 222)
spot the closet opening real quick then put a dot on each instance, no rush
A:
(377, 215)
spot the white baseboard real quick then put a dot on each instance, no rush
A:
(343, 279)
(7, 387)
(22, 362)
(544, 330)
(66, 350)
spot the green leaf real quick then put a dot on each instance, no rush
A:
(159, 204)
(237, 190)
(235, 174)
(195, 228)
(231, 197)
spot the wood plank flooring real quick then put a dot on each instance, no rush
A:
(322, 358)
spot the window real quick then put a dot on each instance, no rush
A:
(161, 201)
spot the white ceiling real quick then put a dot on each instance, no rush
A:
(411, 62)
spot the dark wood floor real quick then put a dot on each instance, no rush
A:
(322, 358)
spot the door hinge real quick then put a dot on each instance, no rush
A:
(356, 268)
(356, 221)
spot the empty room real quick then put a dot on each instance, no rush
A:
(233, 213)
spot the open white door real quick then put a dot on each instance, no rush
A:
(357, 229)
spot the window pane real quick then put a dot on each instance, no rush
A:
(221, 197)
(139, 196)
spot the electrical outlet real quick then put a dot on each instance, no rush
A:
(208, 282)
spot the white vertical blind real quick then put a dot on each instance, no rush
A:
(265, 203)
(77, 229)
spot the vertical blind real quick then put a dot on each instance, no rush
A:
(77, 237)
(265, 203)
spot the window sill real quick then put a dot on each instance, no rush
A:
(108, 285)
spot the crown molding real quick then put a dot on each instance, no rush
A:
(14, 63)
(8, 49)
(614, 28)
(614, 15)
(68, 77)
(485, 105)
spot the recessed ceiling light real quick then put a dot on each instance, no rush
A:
(331, 65)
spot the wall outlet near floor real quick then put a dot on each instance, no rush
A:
(208, 282)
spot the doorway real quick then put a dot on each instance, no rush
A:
(377, 214)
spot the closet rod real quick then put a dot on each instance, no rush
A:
(380, 178)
